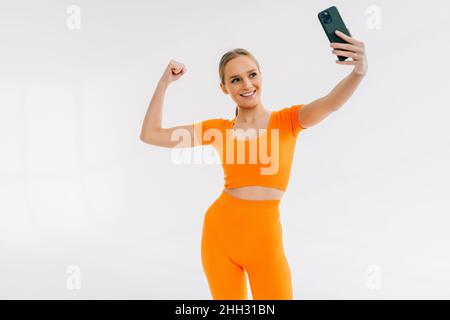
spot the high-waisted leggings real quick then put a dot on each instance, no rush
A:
(245, 236)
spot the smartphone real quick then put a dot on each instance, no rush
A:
(331, 20)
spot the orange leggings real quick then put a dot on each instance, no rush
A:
(245, 235)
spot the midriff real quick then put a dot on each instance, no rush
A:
(255, 193)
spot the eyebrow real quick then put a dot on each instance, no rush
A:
(238, 75)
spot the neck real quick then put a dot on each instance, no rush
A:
(250, 115)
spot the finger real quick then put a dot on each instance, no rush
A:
(346, 37)
(349, 54)
(347, 46)
(347, 62)
(181, 71)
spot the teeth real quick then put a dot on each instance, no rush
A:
(248, 94)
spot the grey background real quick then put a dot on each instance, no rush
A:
(369, 185)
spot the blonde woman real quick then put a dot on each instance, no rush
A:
(241, 229)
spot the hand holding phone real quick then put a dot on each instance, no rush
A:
(331, 20)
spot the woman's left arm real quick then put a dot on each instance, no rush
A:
(314, 112)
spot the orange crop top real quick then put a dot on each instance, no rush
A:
(264, 159)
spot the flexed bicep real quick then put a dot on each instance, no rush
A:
(175, 137)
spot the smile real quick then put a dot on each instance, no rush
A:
(248, 95)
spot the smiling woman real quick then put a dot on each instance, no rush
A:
(235, 79)
(241, 78)
(246, 214)
(241, 228)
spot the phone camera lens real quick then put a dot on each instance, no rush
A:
(326, 18)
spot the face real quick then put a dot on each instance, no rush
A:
(241, 75)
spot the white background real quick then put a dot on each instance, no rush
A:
(366, 212)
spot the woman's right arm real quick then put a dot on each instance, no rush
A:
(152, 131)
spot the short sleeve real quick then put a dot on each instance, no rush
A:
(291, 118)
(207, 131)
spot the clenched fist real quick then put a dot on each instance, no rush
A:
(174, 71)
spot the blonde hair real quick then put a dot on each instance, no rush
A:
(230, 55)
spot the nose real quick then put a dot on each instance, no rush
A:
(247, 84)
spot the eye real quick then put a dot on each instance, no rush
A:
(253, 73)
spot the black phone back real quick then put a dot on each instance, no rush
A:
(331, 20)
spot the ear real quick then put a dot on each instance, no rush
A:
(223, 88)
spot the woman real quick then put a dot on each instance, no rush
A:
(241, 229)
